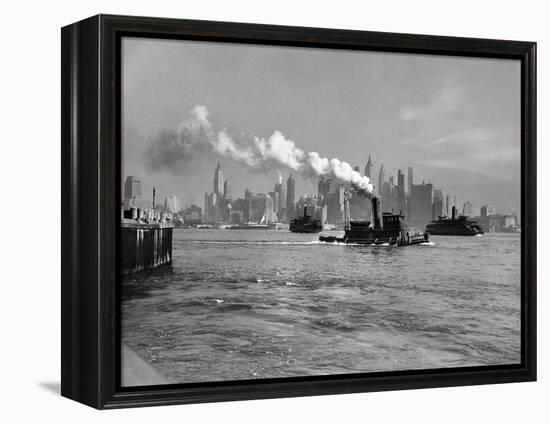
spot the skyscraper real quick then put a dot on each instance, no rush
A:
(400, 201)
(357, 169)
(388, 196)
(331, 196)
(268, 216)
(172, 203)
(210, 212)
(381, 179)
(132, 188)
(279, 200)
(276, 202)
(226, 190)
(410, 181)
(368, 169)
(322, 190)
(420, 205)
(282, 201)
(218, 180)
(487, 210)
(290, 187)
(468, 209)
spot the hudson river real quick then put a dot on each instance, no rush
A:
(245, 304)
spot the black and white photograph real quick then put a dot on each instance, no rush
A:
(290, 211)
(277, 213)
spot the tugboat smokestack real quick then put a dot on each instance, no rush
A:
(454, 213)
(376, 213)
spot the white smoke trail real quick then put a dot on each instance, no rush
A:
(259, 153)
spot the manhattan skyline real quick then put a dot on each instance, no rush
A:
(454, 120)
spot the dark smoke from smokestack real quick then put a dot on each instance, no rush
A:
(173, 149)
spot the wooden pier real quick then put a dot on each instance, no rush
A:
(145, 245)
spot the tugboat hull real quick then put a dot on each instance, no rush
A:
(389, 241)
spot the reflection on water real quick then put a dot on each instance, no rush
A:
(240, 304)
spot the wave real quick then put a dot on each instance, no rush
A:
(339, 243)
(234, 307)
(268, 242)
(295, 243)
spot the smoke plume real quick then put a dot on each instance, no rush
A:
(195, 135)
(173, 149)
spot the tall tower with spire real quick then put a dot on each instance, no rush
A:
(290, 197)
(368, 168)
(218, 181)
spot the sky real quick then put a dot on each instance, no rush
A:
(455, 120)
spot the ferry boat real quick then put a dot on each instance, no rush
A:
(454, 226)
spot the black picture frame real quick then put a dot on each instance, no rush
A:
(90, 176)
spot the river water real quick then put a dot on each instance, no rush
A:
(246, 304)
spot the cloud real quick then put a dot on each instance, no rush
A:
(462, 137)
(449, 131)
(444, 102)
(466, 167)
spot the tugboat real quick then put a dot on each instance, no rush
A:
(387, 229)
(305, 224)
(454, 226)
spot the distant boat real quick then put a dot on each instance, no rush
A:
(305, 224)
(250, 226)
(454, 226)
